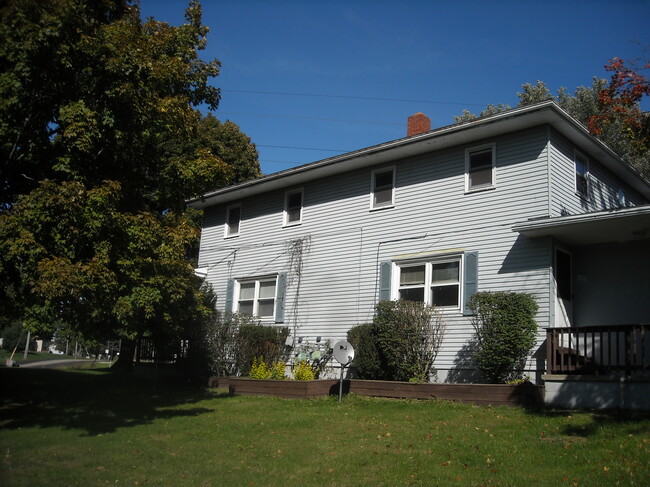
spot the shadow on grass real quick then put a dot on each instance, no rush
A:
(626, 421)
(97, 401)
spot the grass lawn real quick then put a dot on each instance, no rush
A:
(91, 428)
(31, 356)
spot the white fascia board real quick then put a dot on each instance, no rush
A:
(464, 133)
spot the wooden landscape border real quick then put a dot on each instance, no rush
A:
(527, 394)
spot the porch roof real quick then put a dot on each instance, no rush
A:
(609, 226)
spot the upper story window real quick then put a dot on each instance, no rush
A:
(582, 175)
(293, 207)
(256, 297)
(382, 193)
(480, 168)
(233, 221)
(436, 282)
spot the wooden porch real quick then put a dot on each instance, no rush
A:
(599, 350)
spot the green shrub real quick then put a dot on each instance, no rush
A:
(303, 371)
(267, 343)
(261, 370)
(368, 361)
(505, 328)
(400, 344)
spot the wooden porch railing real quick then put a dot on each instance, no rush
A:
(598, 349)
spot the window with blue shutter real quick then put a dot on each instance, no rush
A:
(280, 297)
(384, 280)
(230, 292)
(470, 283)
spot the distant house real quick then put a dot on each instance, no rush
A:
(525, 200)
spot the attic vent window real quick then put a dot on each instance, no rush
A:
(383, 188)
(233, 221)
(480, 164)
(293, 207)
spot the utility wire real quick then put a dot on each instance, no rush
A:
(350, 97)
(264, 115)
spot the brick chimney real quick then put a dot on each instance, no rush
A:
(418, 124)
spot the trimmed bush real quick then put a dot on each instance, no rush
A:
(400, 344)
(506, 330)
(368, 361)
(303, 371)
(266, 343)
(261, 370)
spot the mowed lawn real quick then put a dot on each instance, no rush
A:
(96, 428)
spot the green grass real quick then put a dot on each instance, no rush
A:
(92, 428)
(31, 356)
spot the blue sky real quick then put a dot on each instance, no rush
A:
(307, 80)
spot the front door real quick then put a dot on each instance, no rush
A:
(563, 288)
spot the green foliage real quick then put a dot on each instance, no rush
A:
(368, 357)
(266, 343)
(303, 371)
(400, 344)
(98, 138)
(506, 330)
(261, 370)
(14, 335)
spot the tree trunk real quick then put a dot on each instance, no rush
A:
(127, 354)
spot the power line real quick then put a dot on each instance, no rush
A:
(302, 148)
(264, 115)
(350, 97)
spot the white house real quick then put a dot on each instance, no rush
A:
(525, 200)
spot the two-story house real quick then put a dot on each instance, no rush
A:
(525, 200)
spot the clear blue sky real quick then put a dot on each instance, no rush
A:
(307, 80)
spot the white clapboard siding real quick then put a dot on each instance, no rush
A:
(603, 185)
(333, 284)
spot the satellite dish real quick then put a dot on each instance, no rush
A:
(343, 352)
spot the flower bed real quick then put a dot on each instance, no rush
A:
(526, 394)
(302, 389)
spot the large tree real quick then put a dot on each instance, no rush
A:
(98, 138)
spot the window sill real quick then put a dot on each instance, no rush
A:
(384, 207)
(231, 236)
(292, 224)
(584, 197)
(480, 190)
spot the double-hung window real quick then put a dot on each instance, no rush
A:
(480, 168)
(233, 221)
(293, 207)
(582, 175)
(382, 193)
(435, 282)
(256, 297)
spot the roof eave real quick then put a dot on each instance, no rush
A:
(458, 134)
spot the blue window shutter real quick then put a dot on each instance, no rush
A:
(230, 292)
(470, 279)
(384, 280)
(280, 297)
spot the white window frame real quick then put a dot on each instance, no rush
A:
(373, 177)
(257, 281)
(468, 157)
(285, 216)
(585, 162)
(227, 233)
(429, 262)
